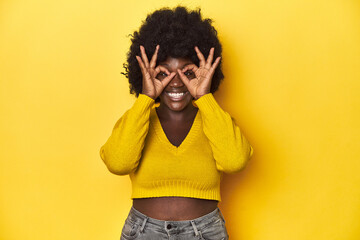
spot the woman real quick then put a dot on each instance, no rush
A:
(176, 152)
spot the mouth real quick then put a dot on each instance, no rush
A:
(177, 96)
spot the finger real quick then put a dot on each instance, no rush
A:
(166, 80)
(214, 66)
(210, 58)
(144, 57)
(185, 80)
(192, 67)
(200, 56)
(142, 66)
(154, 57)
(145, 73)
(160, 68)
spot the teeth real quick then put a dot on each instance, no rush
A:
(175, 94)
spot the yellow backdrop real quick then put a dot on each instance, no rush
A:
(292, 84)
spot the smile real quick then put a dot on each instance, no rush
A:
(177, 96)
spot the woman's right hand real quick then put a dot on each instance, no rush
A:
(151, 86)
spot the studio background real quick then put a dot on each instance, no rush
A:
(291, 82)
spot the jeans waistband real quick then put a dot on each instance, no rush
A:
(171, 226)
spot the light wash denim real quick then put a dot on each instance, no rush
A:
(208, 227)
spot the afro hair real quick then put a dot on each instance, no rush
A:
(177, 31)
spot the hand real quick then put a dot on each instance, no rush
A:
(151, 86)
(200, 85)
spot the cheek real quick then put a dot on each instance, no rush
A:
(161, 96)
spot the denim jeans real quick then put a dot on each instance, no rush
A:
(208, 227)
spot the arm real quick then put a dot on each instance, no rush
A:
(230, 148)
(122, 151)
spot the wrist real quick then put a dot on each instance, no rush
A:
(149, 95)
(200, 95)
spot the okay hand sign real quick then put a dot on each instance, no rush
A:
(200, 85)
(151, 86)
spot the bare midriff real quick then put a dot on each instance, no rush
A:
(174, 208)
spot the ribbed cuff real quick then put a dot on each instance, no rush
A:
(207, 102)
(143, 102)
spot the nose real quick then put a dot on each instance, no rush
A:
(176, 81)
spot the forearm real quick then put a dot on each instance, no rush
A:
(122, 151)
(231, 150)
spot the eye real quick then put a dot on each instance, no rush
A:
(162, 75)
(189, 74)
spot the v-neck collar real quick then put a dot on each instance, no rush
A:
(163, 138)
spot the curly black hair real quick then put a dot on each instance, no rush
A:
(177, 31)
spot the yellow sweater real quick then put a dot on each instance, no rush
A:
(139, 147)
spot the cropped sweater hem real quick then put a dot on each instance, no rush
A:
(176, 188)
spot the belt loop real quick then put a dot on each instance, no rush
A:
(143, 224)
(197, 233)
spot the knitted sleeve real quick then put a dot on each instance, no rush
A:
(122, 151)
(231, 150)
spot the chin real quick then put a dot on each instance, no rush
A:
(176, 106)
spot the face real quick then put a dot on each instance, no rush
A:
(175, 95)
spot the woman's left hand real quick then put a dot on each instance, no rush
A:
(200, 85)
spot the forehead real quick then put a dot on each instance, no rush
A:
(171, 62)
